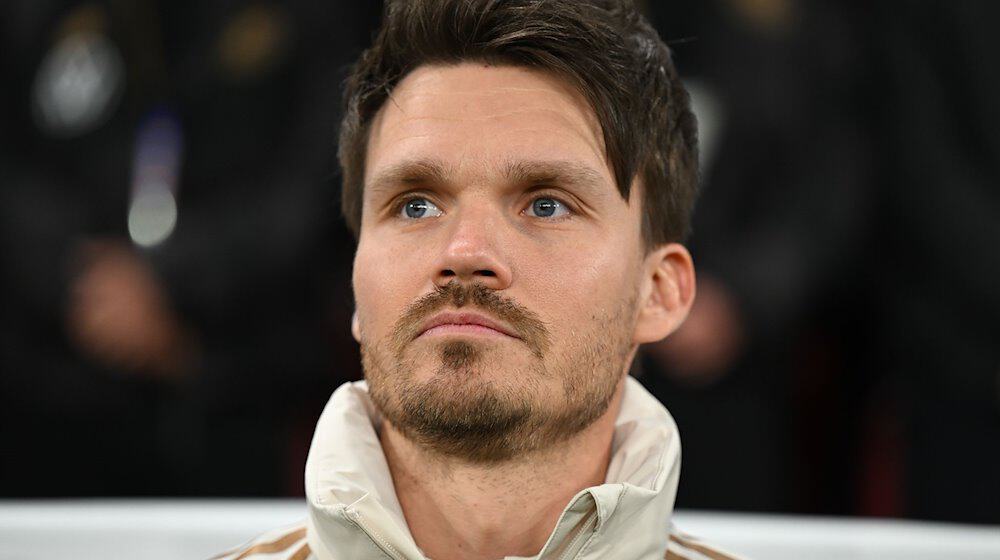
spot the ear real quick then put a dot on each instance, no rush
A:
(667, 291)
(356, 327)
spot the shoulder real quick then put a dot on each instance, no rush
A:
(686, 547)
(288, 543)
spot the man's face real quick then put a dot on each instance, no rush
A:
(498, 267)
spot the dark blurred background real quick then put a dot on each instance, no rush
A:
(175, 278)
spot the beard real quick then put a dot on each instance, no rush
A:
(466, 412)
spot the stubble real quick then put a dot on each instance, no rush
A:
(462, 412)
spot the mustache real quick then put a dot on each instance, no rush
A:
(526, 324)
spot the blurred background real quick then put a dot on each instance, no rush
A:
(175, 277)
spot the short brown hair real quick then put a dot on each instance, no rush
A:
(605, 48)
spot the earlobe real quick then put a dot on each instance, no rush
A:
(356, 327)
(668, 290)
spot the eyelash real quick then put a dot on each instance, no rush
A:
(570, 210)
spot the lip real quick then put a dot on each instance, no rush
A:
(466, 323)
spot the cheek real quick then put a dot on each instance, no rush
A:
(384, 285)
(575, 287)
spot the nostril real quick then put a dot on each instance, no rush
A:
(448, 273)
(486, 273)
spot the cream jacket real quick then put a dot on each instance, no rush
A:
(354, 513)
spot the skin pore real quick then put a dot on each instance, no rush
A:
(492, 180)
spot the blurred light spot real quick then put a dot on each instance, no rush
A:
(253, 42)
(710, 112)
(767, 16)
(152, 213)
(77, 85)
(152, 216)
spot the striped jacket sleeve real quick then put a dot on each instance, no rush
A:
(686, 547)
(288, 543)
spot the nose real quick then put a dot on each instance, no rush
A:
(472, 252)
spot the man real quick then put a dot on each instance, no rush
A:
(519, 175)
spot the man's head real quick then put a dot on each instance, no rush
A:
(518, 174)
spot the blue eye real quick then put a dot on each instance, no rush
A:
(417, 208)
(548, 208)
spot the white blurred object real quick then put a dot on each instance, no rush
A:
(78, 84)
(781, 537)
(708, 108)
(152, 216)
(139, 529)
(152, 213)
(173, 529)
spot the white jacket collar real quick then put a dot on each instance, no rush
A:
(354, 512)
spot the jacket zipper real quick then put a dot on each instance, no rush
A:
(585, 533)
(376, 538)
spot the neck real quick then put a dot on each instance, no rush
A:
(457, 510)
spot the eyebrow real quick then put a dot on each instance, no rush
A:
(533, 172)
(409, 172)
(557, 173)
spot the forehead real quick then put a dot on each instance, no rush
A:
(475, 119)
